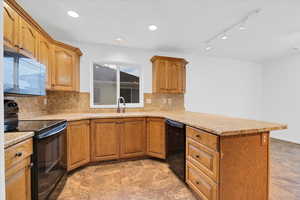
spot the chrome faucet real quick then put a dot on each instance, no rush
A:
(119, 110)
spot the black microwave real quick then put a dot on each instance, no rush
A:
(23, 75)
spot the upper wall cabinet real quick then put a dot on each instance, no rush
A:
(65, 70)
(11, 23)
(28, 39)
(168, 75)
(44, 57)
(24, 35)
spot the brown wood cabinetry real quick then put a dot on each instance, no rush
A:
(156, 137)
(17, 171)
(133, 137)
(78, 144)
(105, 139)
(168, 75)
(28, 39)
(24, 35)
(11, 26)
(65, 71)
(44, 57)
(229, 167)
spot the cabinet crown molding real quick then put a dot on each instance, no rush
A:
(182, 60)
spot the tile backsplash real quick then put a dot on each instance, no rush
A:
(56, 102)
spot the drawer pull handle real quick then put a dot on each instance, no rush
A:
(19, 154)
(197, 182)
(198, 136)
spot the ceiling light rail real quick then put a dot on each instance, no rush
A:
(241, 24)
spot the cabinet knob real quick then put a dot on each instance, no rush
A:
(198, 136)
(197, 156)
(197, 182)
(18, 154)
(30, 165)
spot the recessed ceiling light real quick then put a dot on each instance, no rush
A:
(242, 27)
(152, 27)
(73, 14)
(119, 39)
(224, 37)
(208, 47)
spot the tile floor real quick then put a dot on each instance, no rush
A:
(152, 180)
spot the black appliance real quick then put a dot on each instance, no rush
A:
(11, 110)
(176, 147)
(23, 75)
(49, 155)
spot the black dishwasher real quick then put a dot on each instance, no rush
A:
(176, 147)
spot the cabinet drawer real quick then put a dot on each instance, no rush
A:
(203, 137)
(206, 188)
(17, 153)
(204, 158)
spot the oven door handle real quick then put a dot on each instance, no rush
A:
(53, 131)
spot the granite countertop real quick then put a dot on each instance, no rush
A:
(11, 138)
(216, 124)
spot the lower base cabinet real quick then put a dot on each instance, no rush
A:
(105, 139)
(156, 137)
(78, 144)
(229, 167)
(18, 171)
(118, 138)
(133, 137)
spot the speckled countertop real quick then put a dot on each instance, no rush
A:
(11, 138)
(216, 124)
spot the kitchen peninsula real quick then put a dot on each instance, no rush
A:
(226, 158)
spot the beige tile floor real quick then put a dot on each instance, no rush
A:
(152, 180)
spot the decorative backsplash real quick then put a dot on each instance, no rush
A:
(73, 102)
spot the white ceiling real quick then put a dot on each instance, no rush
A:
(183, 24)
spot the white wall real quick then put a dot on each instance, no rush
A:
(2, 179)
(281, 100)
(224, 86)
(214, 85)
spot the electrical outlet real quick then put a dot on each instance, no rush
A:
(170, 101)
(45, 101)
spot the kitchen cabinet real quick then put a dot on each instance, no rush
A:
(24, 35)
(11, 26)
(17, 171)
(105, 139)
(28, 39)
(133, 137)
(216, 166)
(65, 69)
(78, 144)
(156, 138)
(168, 75)
(44, 57)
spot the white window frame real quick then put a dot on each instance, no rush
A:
(128, 105)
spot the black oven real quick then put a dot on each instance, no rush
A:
(49, 160)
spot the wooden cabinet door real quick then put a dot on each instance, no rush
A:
(105, 139)
(173, 73)
(133, 137)
(11, 22)
(162, 75)
(18, 181)
(28, 39)
(63, 69)
(156, 138)
(78, 144)
(44, 57)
